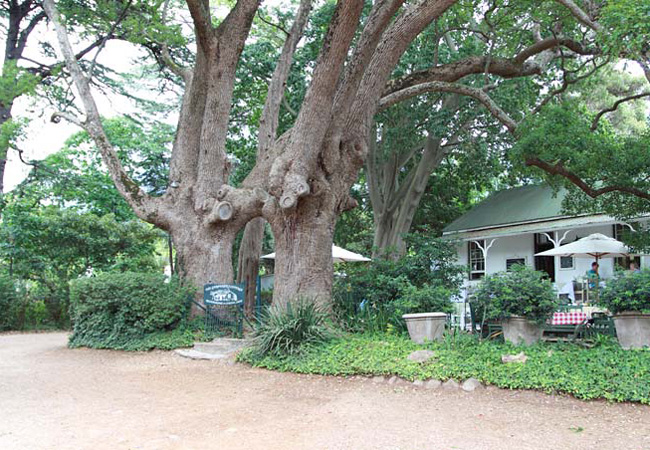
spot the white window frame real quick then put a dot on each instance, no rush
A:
(476, 254)
(573, 263)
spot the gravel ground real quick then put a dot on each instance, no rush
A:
(52, 397)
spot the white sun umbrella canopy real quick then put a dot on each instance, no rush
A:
(338, 255)
(593, 246)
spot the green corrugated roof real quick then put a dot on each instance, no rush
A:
(517, 205)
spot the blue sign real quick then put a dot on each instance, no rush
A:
(223, 294)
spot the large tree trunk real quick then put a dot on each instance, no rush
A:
(248, 264)
(204, 256)
(303, 253)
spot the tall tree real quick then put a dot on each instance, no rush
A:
(302, 184)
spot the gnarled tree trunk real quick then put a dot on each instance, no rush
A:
(248, 263)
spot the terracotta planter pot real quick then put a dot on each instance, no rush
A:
(633, 329)
(520, 330)
(425, 326)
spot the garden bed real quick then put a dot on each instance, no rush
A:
(604, 371)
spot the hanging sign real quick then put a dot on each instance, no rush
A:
(223, 294)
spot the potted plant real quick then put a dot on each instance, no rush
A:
(628, 298)
(522, 299)
(424, 310)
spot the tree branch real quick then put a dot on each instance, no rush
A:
(580, 15)
(270, 114)
(166, 57)
(616, 104)
(22, 40)
(559, 169)
(200, 12)
(441, 86)
(144, 206)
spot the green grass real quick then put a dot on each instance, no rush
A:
(604, 371)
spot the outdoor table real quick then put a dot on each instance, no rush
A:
(569, 318)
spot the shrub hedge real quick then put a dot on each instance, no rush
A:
(522, 292)
(627, 292)
(129, 311)
(605, 371)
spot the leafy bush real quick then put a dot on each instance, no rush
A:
(373, 297)
(127, 311)
(522, 292)
(288, 330)
(605, 371)
(627, 292)
(8, 303)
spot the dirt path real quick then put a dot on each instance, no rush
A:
(55, 398)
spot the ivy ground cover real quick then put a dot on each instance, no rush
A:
(604, 371)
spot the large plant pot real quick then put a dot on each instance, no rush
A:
(633, 329)
(520, 330)
(425, 326)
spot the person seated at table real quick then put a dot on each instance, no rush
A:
(592, 275)
(634, 268)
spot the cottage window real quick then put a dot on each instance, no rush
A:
(566, 262)
(476, 260)
(514, 262)
(623, 263)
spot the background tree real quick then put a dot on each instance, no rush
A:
(30, 65)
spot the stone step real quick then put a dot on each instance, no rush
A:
(220, 345)
(216, 349)
(193, 354)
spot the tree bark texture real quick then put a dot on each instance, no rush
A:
(248, 263)
(250, 249)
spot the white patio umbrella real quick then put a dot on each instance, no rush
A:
(338, 255)
(593, 246)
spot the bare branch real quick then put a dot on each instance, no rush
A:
(143, 205)
(580, 15)
(441, 86)
(176, 69)
(22, 40)
(274, 25)
(200, 12)
(553, 42)
(559, 169)
(616, 104)
(270, 114)
(57, 116)
(103, 42)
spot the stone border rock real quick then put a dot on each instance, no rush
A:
(469, 385)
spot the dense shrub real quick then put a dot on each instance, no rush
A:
(522, 292)
(9, 306)
(128, 311)
(627, 292)
(604, 371)
(373, 297)
(288, 330)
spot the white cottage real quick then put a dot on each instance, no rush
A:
(512, 225)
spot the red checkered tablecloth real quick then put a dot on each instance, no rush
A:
(568, 318)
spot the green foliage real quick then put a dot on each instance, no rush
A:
(603, 372)
(374, 296)
(626, 27)
(522, 292)
(76, 178)
(15, 81)
(8, 303)
(128, 311)
(290, 329)
(627, 292)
